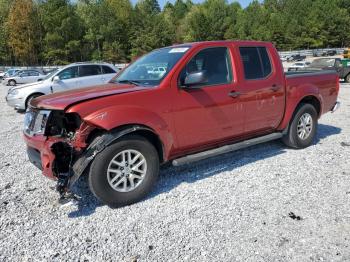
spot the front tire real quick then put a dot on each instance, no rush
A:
(303, 127)
(124, 172)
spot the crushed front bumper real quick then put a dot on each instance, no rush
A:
(40, 154)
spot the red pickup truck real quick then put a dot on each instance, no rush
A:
(181, 103)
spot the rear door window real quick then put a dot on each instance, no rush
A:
(89, 70)
(256, 62)
(107, 70)
(25, 74)
(34, 73)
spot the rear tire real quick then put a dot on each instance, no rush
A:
(116, 180)
(302, 128)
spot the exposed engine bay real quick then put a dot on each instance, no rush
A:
(66, 134)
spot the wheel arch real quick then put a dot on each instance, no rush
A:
(136, 129)
(312, 99)
(30, 95)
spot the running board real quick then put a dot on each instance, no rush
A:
(225, 149)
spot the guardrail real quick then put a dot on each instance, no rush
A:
(309, 52)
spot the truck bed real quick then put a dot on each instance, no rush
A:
(304, 73)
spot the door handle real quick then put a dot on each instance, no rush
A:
(275, 88)
(234, 94)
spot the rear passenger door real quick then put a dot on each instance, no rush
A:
(89, 75)
(263, 95)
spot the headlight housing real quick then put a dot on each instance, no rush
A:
(35, 122)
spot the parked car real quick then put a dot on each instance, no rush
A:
(24, 77)
(296, 58)
(298, 66)
(215, 97)
(157, 71)
(330, 64)
(73, 76)
(317, 53)
(9, 73)
(283, 58)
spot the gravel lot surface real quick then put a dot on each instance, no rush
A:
(265, 203)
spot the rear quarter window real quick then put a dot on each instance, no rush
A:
(107, 70)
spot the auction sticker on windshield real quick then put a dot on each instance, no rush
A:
(178, 50)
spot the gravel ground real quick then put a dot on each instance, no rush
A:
(265, 203)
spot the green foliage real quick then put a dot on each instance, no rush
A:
(64, 31)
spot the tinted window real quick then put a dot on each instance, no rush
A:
(89, 70)
(24, 74)
(34, 73)
(69, 73)
(265, 61)
(107, 70)
(214, 61)
(256, 62)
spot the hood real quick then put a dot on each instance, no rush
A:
(27, 85)
(61, 100)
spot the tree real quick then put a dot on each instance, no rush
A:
(63, 31)
(207, 21)
(108, 24)
(150, 29)
(5, 56)
(22, 34)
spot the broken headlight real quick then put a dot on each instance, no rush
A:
(35, 121)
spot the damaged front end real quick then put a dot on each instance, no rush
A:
(56, 141)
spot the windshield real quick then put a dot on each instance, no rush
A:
(323, 63)
(50, 74)
(151, 69)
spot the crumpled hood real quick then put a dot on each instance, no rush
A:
(62, 100)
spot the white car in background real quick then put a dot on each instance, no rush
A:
(24, 77)
(73, 76)
(157, 71)
(299, 66)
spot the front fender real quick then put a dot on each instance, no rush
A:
(113, 117)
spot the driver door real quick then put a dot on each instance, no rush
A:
(207, 114)
(68, 79)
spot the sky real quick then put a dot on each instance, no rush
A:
(244, 3)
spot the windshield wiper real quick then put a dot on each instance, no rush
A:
(133, 82)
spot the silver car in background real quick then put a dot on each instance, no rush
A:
(77, 75)
(24, 77)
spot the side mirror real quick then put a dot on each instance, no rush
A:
(195, 78)
(56, 79)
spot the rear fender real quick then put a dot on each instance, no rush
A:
(294, 96)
